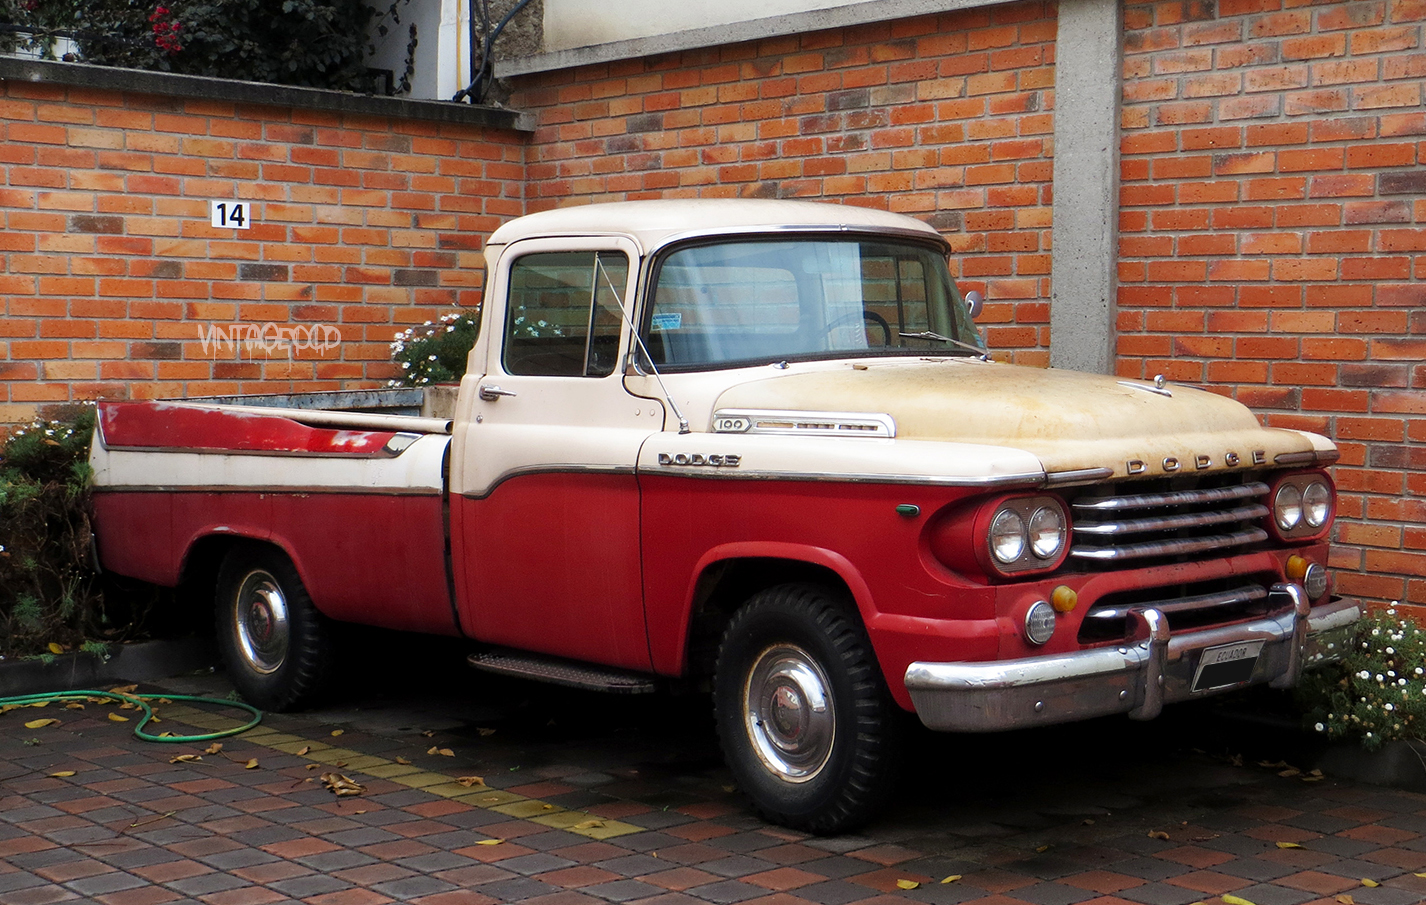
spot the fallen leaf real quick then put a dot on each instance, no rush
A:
(906, 884)
(74, 705)
(62, 774)
(124, 689)
(37, 704)
(1313, 778)
(127, 705)
(1346, 899)
(55, 648)
(1370, 884)
(403, 761)
(337, 732)
(339, 764)
(213, 748)
(588, 824)
(429, 733)
(1237, 761)
(469, 781)
(1290, 771)
(446, 752)
(303, 751)
(186, 759)
(363, 811)
(1423, 876)
(490, 842)
(118, 719)
(341, 785)
(1235, 900)
(314, 766)
(1042, 848)
(251, 764)
(1088, 821)
(1273, 764)
(484, 732)
(952, 878)
(1288, 845)
(1315, 773)
(40, 724)
(1158, 834)
(547, 807)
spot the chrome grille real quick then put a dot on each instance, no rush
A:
(1187, 607)
(1132, 528)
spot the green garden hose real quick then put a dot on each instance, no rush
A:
(141, 701)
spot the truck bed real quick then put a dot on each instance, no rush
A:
(355, 500)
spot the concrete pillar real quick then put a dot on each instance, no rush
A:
(1085, 226)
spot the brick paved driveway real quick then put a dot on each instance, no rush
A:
(588, 800)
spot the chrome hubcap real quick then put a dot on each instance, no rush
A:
(260, 622)
(787, 704)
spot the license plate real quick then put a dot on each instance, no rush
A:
(1225, 666)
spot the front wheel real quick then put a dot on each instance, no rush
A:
(275, 644)
(806, 723)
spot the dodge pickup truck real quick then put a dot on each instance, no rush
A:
(756, 447)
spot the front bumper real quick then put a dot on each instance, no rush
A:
(1152, 669)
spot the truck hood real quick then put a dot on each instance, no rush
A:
(1071, 421)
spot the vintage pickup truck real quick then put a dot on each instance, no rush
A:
(755, 445)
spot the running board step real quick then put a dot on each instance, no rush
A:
(562, 672)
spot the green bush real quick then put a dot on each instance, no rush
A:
(1377, 692)
(313, 43)
(435, 352)
(48, 591)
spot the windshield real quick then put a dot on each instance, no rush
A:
(751, 301)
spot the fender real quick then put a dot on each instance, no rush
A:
(818, 556)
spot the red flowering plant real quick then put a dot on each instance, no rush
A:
(165, 30)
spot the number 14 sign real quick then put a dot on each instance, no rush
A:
(230, 214)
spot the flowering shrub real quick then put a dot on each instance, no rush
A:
(435, 352)
(1377, 693)
(47, 588)
(316, 43)
(165, 31)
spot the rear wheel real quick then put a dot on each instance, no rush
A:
(804, 718)
(275, 644)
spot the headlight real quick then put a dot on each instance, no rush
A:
(1287, 506)
(1007, 536)
(1316, 504)
(1302, 506)
(1047, 532)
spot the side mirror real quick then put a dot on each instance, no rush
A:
(974, 303)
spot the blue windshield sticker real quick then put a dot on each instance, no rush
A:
(668, 320)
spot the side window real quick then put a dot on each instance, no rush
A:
(563, 318)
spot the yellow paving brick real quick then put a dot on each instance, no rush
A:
(528, 808)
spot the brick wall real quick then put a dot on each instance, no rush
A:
(1273, 239)
(111, 272)
(947, 118)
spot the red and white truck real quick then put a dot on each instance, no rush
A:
(755, 445)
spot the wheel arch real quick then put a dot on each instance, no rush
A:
(727, 576)
(203, 557)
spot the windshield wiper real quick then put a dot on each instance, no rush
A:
(927, 334)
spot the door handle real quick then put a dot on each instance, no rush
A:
(490, 392)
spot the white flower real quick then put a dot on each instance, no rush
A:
(1320, 728)
(1364, 675)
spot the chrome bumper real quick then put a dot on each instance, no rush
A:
(1136, 678)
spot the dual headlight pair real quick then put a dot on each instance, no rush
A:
(1302, 505)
